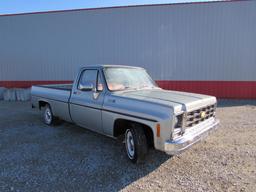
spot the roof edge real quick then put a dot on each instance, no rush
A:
(117, 7)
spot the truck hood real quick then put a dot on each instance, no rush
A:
(179, 101)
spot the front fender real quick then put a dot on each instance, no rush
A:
(109, 118)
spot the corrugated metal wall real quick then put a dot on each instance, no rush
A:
(187, 42)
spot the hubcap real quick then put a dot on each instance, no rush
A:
(129, 142)
(48, 116)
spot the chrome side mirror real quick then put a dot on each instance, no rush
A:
(87, 86)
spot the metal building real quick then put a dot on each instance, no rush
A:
(199, 47)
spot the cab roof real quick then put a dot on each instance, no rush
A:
(111, 66)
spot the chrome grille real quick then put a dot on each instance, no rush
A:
(199, 115)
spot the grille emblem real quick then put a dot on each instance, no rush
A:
(203, 114)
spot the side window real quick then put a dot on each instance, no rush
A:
(100, 83)
(88, 76)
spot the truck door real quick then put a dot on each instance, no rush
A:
(87, 99)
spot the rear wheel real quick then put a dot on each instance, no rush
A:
(48, 117)
(136, 144)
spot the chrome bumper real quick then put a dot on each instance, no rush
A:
(190, 137)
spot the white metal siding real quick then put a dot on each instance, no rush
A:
(210, 41)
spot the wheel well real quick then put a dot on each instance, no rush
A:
(121, 125)
(42, 104)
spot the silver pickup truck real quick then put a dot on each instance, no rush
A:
(124, 102)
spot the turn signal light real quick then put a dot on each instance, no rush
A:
(158, 130)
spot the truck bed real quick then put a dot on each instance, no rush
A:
(56, 95)
(56, 92)
(67, 87)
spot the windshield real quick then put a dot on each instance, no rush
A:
(127, 78)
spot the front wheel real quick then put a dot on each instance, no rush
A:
(136, 144)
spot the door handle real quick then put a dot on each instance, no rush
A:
(112, 100)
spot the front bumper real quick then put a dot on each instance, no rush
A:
(190, 137)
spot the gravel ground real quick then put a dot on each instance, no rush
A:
(35, 157)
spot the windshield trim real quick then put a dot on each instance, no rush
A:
(127, 67)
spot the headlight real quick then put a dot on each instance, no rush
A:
(176, 121)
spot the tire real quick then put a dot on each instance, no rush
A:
(136, 144)
(48, 117)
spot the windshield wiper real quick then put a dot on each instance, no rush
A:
(127, 87)
(146, 86)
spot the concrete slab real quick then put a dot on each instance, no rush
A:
(23, 94)
(2, 89)
(9, 95)
(15, 94)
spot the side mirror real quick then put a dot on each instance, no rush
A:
(87, 86)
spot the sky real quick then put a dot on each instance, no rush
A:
(25, 6)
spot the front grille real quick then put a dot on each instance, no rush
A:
(195, 117)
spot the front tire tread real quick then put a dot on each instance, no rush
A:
(141, 144)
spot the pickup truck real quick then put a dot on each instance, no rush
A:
(124, 102)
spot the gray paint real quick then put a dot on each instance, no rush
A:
(209, 41)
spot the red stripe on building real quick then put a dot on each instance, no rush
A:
(220, 89)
